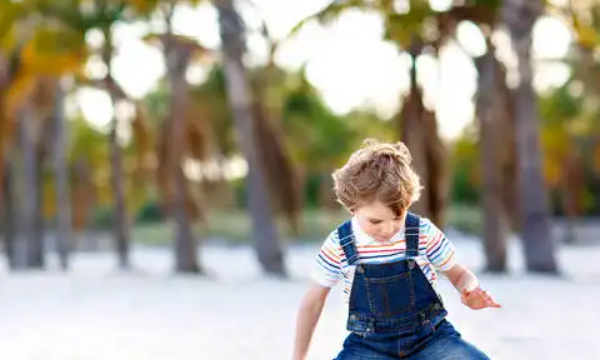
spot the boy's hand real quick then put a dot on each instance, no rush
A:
(478, 299)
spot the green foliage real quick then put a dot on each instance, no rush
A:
(150, 212)
(465, 165)
(401, 28)
(560, 106)
(320, 139)
(212, 95)
(103, 218)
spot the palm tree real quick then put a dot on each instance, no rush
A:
(520, 16)
(416, 124)
(490, 108)
(63, 212)
(121, 217)
(178, 54)
(270, 254)
(101, 15)
(283, 176)
(412, 129)
(28, 104)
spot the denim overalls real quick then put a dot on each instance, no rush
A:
(394, 312)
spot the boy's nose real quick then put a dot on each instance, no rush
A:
(389, 230)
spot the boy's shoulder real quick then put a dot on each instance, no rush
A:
(333, 238)
(428, 227)
(423, 221)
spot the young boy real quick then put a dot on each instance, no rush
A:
(388, 257)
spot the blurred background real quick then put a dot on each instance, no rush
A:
(165, 166)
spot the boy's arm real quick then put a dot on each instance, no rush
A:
(472, 295)
(462, 278)
(308, 316)
(441, 253)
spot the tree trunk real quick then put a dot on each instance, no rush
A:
(327, 199)
(38, 241)
(489, 115)
(177, 59)
(186, 258)
(186, 248)
(120, 219)
(281, 175)
(266, 242)
(412, 130)
(520, 17)
(120, 216)
(8, 209)
(61, 179)
(25, 247)
(437, 179)
(572, 192)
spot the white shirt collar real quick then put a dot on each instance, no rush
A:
(363, 238)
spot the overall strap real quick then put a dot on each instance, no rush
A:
(412, 226)
(347, 241)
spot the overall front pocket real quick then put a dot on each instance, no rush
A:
(392, 295)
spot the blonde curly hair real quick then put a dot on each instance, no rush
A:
(378, 172)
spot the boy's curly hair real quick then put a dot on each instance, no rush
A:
(378, 171)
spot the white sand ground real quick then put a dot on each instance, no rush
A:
(95, 312)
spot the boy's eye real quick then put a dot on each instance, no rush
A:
(375, 222)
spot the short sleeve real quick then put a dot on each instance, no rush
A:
(440, 250)
(326, 269)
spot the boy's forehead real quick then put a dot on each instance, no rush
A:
(375, 209)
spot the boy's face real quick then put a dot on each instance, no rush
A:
(379, 221)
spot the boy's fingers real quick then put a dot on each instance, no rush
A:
(492, 302)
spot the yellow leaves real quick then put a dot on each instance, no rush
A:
(9, 13)
(142, 6)
(50, 51)
(557, 145)
(552, 171)
(54, 52)
(401, 28)
(17, 93)
(586, 34)
(49, 202)
(579, 14)
(148, 6)
(555, 140)
(329, 13)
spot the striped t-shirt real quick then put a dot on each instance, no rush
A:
(436, 252)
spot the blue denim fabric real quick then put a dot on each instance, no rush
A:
(394, 312)
(441, 343)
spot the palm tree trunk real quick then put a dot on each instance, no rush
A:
(572, 191)
(437, 179)
(266, 242)
(281, 174)
(27, 249)
(121, 220)
(63, 211)
(8, 209)
(520, 17)
(327, 199)
(186, 258)
(177, 59)
(121, 223)
(488, 107)
(38, 241)
(412, 131)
